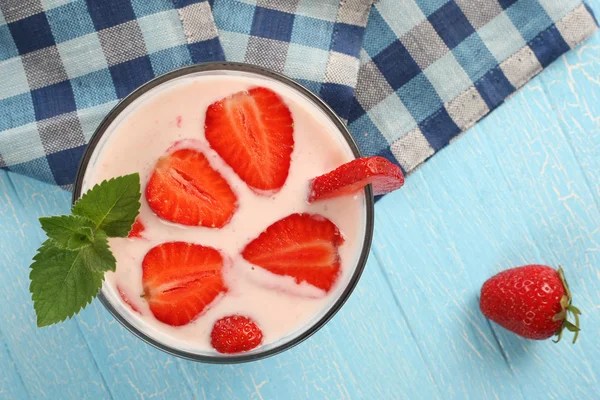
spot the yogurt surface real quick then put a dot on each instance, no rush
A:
(171, 116)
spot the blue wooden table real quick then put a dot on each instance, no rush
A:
(522, 187)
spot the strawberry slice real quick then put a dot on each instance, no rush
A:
(180, 280)
(253, 131)
(302, 246)
(235, 334)
(126, 300)
(351, 177)
(184, 188)
(137, 229)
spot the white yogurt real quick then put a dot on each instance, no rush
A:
(175, 111)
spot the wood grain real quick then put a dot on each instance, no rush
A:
(522, 187)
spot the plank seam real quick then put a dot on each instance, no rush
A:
(504, 356)
(14, 189)
(514, 202)
(185, 376)
(405, 318)
(560, 124)
(339, 352)
(12, 360)
(94, 359)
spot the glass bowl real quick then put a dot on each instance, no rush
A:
(229, 68)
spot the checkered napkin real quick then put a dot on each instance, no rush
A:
(64, 64)
(407, 75)
(430, 69)
(315, 42)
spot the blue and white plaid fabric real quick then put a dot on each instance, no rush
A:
(407, 75)
(315, 42)
(430, 69)
(65, 64)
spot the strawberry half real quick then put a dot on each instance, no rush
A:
(137, 229)
(180, 280)
(351, 177)
(253, 131)
(184, 188)
(302, 246)
(235, 334)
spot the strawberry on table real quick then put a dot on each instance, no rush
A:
(235, 334)
(137, 229)
(532, 301)
(353, 176)
(185, 189)
(253, 131)
(180, 280)
(303, 246)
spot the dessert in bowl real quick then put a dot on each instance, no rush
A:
(234, 236)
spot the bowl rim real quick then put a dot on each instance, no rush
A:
(340, 125)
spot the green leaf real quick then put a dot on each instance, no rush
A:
(61, 283)
(571, 327)
(574, 310)
(112, 205)
(68, 270)
(98, 256)
(68, 231)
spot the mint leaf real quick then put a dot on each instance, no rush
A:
(69, 231)
(98, 256)
(68, 270)
(61, 283)
(112, 205)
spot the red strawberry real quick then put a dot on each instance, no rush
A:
(302, 246)
(234, 334)
(253, 132)
(126, 300)
(531, 301)
(353, 176)
(137, 229)
(184, 188)
(180, 280)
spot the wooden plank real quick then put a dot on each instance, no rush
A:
(11, 383)
(523, 186)
(514, 192)
(130, 368)
(90, 356)
(365, 352)
(348, 359)
(52, 362)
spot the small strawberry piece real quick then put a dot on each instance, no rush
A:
(137, 229)
(253, 132)
(235, 334)
(126, 300)
(180, 280)
(185, 189)
(531, 301)
(302, 246)
(351, 177)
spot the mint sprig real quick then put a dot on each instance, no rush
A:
(61, 283)
(68, 270)
(69, 231)
(112, 205)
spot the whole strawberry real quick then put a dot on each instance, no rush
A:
(531, 301)
(235, 334)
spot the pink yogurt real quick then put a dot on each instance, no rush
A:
(172, 115)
